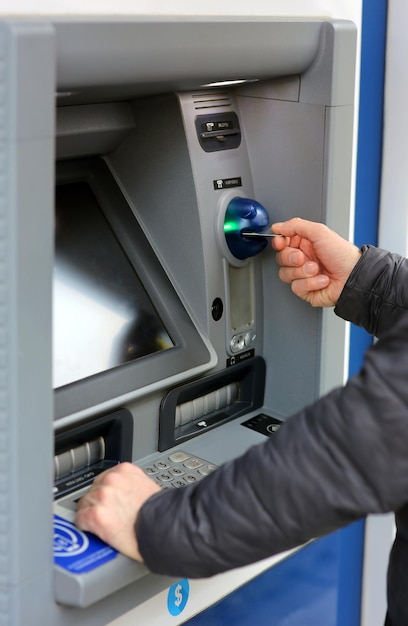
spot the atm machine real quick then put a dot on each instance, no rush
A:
(142, 318)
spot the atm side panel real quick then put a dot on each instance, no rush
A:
(26, 232)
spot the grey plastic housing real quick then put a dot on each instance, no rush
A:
(134, 82)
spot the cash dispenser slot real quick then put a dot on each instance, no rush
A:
(85, 451)
(191, 409)
(86, 569)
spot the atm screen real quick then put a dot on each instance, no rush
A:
(102, 314)
(119, 326)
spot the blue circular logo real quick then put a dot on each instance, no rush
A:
(69, 541)
(178, 596)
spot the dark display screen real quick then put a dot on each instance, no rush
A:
(102, 315)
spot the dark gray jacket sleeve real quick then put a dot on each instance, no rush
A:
(334, 462)
(375, 296)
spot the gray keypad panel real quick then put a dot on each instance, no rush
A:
(173, 470)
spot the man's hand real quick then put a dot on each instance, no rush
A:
(314, 260)
(110, 508)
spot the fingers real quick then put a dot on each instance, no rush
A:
(290, 274)
(301, 266)
(297, 227)
(279, 243)
(306, 282)
(122, 480)
(295, 265)
(304, 288)
(290, 257)
(110, 508)
(91, 511)
(110, 477)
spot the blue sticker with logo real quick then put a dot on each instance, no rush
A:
(76, 551)
(178, 596)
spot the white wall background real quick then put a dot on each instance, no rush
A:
(393, 235)
(394, 187)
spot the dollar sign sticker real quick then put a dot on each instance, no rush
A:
(178, 596)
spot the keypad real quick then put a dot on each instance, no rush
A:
(177, 469)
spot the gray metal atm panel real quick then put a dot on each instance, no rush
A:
(26, 233)
(138, 53)
(299, 137)
(290, 182)
(89, 61)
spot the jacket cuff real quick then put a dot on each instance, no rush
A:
(373, 295)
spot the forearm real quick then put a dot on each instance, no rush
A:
(336, 461)
(375, 295)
